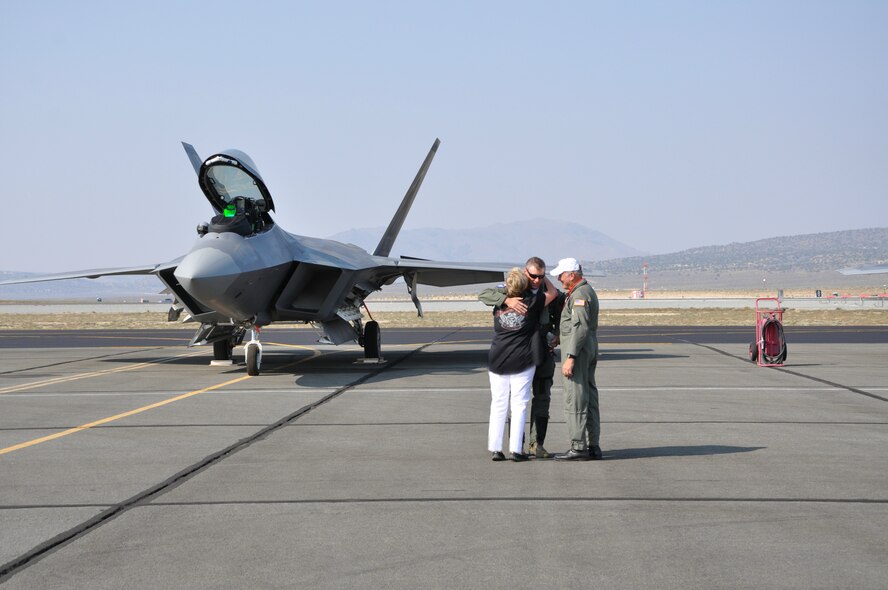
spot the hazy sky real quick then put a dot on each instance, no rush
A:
(666, 125)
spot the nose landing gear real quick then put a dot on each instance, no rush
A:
(253, 353)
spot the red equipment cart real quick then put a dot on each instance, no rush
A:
(769, 348)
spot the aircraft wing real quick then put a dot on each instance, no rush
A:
(450, 274)
(429, 272)
(86, 274)
(870, 269)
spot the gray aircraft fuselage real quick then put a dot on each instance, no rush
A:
(274, 275)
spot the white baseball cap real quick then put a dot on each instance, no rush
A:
(565, 265)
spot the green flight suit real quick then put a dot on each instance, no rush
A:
(542, 378)
(579, 337)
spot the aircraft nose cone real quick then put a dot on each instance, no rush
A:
(206, 274)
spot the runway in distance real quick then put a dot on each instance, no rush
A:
(870, 269)
(245, 271)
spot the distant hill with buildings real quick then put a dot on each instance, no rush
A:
(808, 261)
(808, 253)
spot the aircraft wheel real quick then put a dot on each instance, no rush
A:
(372, 340)
(254, 359)
(222, 350)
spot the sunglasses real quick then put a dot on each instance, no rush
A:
(533, 276)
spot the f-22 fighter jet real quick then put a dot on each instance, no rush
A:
(245, 271)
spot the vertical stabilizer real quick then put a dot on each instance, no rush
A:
(388, 238)
(196, 162)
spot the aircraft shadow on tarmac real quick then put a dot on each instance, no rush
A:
(337, 369)
(343, 366)
(675, 451)
(341, 369)
(634, 354)
(184, 361)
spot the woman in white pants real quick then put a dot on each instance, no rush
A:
(511, 363)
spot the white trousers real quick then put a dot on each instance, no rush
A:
(506, 390)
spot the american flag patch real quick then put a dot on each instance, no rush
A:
(579, 302)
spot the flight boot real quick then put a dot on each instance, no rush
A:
(537, 450)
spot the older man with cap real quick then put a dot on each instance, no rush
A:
(579, 349)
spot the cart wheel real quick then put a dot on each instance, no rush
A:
(753, 352)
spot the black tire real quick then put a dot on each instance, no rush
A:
(253, 360)
(753, 352)
(372, 340)
(222, 350)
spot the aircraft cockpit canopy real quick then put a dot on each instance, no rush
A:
(237, 193)
(231, 174)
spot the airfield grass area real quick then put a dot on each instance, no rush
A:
(608, 317)
(660, 317)
(829, 315)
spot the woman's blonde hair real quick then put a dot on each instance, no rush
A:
(516, 283)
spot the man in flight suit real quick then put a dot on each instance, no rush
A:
(579, 349)
(534, 270)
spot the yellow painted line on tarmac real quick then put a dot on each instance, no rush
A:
(153, 406)
(98, 337)
(83, 427)
(78, 376)
(285, 345)
(162, 338)
(315, 354)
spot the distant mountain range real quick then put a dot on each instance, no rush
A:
(506, 242)
(552, 240)
(514, 242)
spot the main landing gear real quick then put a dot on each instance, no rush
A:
(370, 339)
(222, 351)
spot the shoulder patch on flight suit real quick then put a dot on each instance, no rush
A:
(579, 302)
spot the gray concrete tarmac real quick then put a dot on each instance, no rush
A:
(143, 467)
